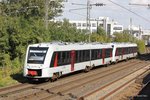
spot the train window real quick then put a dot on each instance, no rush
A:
(68, 59)
(100, 54)
(121, 51)
(131, 50)
(37, 55)
(108, 53)
(93, 55)
(118, 51)
(59, 58)
(96, 54)
(84, 55)
(87, 57)
(77, 56)
(81, 56)
(64, 58)
(53, 59)
(126, 50)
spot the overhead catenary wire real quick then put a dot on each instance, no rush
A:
(130, 11)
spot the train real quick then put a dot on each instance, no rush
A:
(54, 59)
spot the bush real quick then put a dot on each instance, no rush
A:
(141, 46)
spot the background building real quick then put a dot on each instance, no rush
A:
(140, 33)
(110, 26)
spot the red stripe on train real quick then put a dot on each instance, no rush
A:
(56, 60)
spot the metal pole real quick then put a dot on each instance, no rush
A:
(130, 38)
(87, 15)
(131, 26)
(88, 19)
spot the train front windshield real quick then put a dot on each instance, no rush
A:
(36, 55)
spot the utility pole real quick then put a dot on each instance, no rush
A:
(131, 26)
(88, 15)
(130, 38)
(88, 23)
(140, 32)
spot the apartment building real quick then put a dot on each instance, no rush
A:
(110, 26)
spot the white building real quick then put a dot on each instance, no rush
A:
(140, 33)
(146, 36)
(109, 26)
(136, 31)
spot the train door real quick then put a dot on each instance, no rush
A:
(72, 60)
(103, 56)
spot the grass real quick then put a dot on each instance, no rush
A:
(11, 76)
(7, 81)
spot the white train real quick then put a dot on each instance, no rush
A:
(51, 60)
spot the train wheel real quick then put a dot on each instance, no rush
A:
(106, 65)
(126, 59)
(110, 62)
(92, 66)
(117, 60)
(55, 77)
(87, 69)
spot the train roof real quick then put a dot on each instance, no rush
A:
(70, 46)
(124, 44)
(80, 46)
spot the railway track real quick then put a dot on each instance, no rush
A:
(25, 86)
(21, 87)
(65, 87)
(117, 85)
(47, 92)
(15, 88)
(72, 93)
(4, 92)
(58, 90)
(81, 82)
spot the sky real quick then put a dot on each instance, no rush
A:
(113, 11)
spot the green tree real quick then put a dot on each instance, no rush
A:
(141, 46)
(100, 36)
(126, 37)
(31, 8)
(101, 31)
(64, 31)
